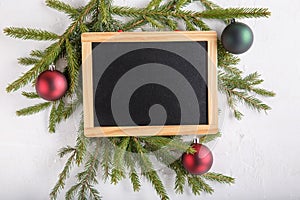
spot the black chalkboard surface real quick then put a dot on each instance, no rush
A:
(149, 83)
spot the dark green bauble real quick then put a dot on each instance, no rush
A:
(237, 38)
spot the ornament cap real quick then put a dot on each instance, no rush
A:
(196, 140)
(52, 67)
(232, 21)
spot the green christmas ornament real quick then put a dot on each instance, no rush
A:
(237, 37)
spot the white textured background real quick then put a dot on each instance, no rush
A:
(262, 151)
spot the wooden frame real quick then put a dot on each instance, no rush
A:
(88, 101)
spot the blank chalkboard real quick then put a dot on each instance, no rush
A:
(149, 83)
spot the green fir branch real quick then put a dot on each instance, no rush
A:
(73, 66)
(30, 34)
(181, 176)
(50, 55)
(134, 178)
(34, 109)
(153, 4)
(209, 138)
(237, 13)
(130, 162)
(180, 180)
(106, 158)
(84, 188)
(134, 24)
(118, 171)
(26, 61)
(55, 115)
(198, 185)
(148, 171)
(70, 108)
(63, 176)
(209, 5)
(63, 7)
(70, 194)
(37, 53)
(81, 144)
(218, 178)
(168, 143)
(228, 13)
(65, 150)
(30, 95)
(52, 118)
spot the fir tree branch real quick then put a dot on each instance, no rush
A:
(181, 175)
(153, 4)
(130, 162)
(55, 115)
(104, 9)
(30, 95)
(51, 54)
(218, 177)
(26, 61)
(73, 66)
(248, 100)
(209, 138)
(134, 178)
(106, 158)
(209, 5)
(70, 108)
(70, 194)
(171, 143)
(133, 24)
(154, 23)
(65, 150)
(228, 13)
(81, 144)
(63, 7)
(117, 173)
(198, 185)
(148, 171)
(237, 13)
(33, 109)
(63, 176)
(52, 118)
(182, 3)
(86, 178)
(30, 34)
(37, 53)
(180, 180)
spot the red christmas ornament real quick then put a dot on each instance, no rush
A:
(51, 85)
(120, 30)
(199, 162)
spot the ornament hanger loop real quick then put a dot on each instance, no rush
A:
(52, 67)
(196, 140)
(232, 21)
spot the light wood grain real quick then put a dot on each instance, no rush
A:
(88, 96)
(87, 84)
(150, 130)
(212, 83)
(149, 36)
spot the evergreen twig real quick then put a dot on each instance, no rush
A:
(30, 34)
(33, 109)
(31, 95)
(63, 7)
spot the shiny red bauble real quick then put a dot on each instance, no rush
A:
(199, 162)
(51, 85)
